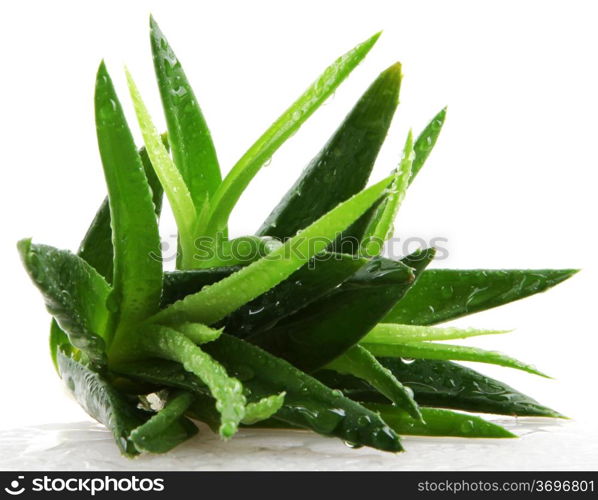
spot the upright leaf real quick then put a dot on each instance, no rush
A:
(217, 301)
(444, 294)
(343, 166)
(190, 139)
(426, 141)
(250, 163)
(381, 226)
(349, 241)
(75, 295)
(171, 179)
(96, 246)
(137, 282)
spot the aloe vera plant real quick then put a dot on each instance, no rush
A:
(302, 331)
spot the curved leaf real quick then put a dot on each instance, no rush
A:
(360, 363)
(170, 344)
(74, 293)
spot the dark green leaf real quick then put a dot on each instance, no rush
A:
(444, 294)
(179, 284)
(349, 241)
(450, 385)
(190, 139)
(322, 331)
(101, 401)
(74, 293)
(444, 384)
(343, 166)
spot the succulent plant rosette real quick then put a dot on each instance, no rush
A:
(303, 325)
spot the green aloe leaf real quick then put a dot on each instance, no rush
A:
(75, 295)
(451, 385)
(381, 226)
(444, 294)
(344, 164)
(96, 247)
(190, 140)
(137, 282)
(426, 141)
(167, 428)
(175, 346)
(262, 150)
(360, 363)
(216, 301)
(439, 422)
(102, 401)
(388, 333)
(430, 350)
(325, 329)
(171, 179)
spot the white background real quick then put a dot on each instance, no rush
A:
(511, 182)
